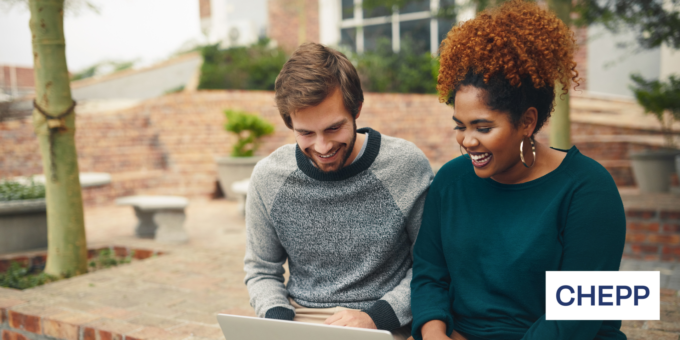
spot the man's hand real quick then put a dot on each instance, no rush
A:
(351, 318)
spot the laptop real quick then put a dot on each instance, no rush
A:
(236, 327)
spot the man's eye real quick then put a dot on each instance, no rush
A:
(459, 128)
(333, 128)
(484, 130)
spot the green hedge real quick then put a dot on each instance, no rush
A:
(407, 71)
(256, 67)
(246, 68)
(13, 191)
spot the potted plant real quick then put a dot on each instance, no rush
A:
(653, 168)
(249, 129)
(23, 216)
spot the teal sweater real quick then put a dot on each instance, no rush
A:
(484, 247)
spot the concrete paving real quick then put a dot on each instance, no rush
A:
(177, 295)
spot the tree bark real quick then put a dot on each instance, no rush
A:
(560, 123)
(67, 248)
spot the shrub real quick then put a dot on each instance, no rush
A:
(662, 99)
(19, 277)
(12, 190)
(406, 71)
(249, 128)
(248, 68)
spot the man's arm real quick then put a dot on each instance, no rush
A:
(264, 260)
(409, 187)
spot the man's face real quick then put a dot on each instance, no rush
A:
(326, 133)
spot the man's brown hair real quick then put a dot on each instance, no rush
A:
(310, 75)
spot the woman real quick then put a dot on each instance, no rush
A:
(495, 221)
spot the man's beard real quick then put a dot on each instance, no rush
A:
(345, 156)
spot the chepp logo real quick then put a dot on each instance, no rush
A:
(593, 295)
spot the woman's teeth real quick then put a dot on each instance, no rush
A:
(329, 155)
(480, 157)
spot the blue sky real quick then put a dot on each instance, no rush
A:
(147, 30)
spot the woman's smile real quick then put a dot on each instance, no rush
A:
(480, 159)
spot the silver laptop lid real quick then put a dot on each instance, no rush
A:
(236, 327)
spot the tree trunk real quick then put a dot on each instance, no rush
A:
(560, 124)
(67, 248)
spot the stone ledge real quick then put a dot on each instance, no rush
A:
(22, 206)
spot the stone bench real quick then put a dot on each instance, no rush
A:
(160, 217)
(240, 189)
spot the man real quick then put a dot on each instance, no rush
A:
(342, 206)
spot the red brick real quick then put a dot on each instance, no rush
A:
(28, 323)
(88, 333)
(671, 227)
(643, 226)
(644, 248)
(141, 254)
(120, 251)
(4, 265)
(670, 215)
(636, 237)
(664, 239)
(9, 335)
(669, 250)
(646, 214)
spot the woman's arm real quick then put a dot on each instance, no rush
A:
(593, 240)
(430, 283)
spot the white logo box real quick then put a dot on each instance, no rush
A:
(616, 306)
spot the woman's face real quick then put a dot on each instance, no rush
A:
(489, 136)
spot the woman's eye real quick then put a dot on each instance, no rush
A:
(459, 128)
(484, 130)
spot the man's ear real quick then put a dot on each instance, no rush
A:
(359, 111)
(529, 121)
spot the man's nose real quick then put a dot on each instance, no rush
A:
(323, 145)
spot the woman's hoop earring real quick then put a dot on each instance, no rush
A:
(466, 155)
(533, 150)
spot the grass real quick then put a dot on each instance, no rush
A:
(18, 276)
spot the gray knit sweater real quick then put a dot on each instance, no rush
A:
(347, 235)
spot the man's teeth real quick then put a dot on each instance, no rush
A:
(330, 155)
(480, 156)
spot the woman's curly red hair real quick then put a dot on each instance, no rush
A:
(518, 40)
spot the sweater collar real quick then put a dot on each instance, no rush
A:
(371, 152)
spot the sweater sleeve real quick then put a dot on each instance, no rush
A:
(430, 296)
(593, 238)
(393, 310)
(264, 259)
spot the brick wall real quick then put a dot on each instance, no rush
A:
(653, 234)
(23, 77)
(168, 145)
(293, 22)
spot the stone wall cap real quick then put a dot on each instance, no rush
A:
(22, 206)
(238, 160)
(241, 187)
(154, 202)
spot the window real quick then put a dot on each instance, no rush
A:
(364, 29)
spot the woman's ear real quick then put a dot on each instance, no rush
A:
(529, 120)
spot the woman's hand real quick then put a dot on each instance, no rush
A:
(457, 336)
(434, 330)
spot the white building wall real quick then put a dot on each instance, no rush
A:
(610, 67)
(237, 23)
(329, 22)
